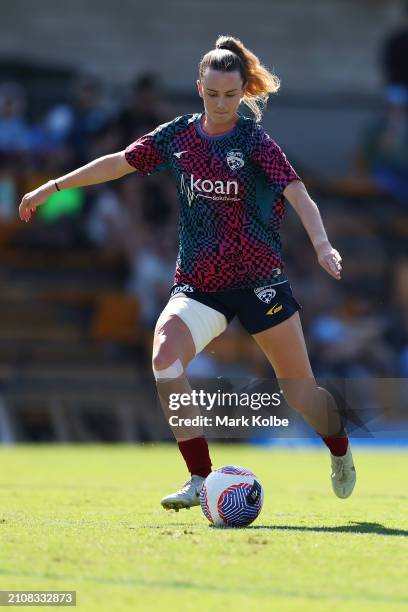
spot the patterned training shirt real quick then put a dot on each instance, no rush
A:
(230, 190)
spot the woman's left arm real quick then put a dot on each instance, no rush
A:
(309, 214)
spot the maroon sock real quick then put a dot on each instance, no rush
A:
(196, 455)
(337, 444)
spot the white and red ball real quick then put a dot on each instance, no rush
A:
(232, 496)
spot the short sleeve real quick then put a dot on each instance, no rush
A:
(272, 161)
(148, 153)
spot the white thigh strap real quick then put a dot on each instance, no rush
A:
(204, 322)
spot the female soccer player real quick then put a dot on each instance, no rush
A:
(232, 179)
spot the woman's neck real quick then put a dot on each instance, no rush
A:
(213, 129)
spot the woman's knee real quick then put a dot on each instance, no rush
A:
(164, 355)
(163, 358)
(171, 345)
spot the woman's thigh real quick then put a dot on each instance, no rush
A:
(184, 328)
(285, 348)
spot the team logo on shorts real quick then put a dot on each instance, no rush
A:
(265, 294)
(182, 289)
(235, 159)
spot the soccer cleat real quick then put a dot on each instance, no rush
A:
(189, 495)
(343, 476)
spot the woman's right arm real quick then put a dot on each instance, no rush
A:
(100, 170)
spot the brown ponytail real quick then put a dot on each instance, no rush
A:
(229, 55)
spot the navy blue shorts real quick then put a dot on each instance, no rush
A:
(257, 309)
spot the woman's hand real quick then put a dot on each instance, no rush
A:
(329, 259)
(33, 199)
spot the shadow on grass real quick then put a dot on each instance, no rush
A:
(354, 527)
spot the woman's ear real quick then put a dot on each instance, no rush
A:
(200, 88)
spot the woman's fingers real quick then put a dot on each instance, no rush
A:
(330, 259)
(331, 262)
(26, 208)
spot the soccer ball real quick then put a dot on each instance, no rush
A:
(231, 497)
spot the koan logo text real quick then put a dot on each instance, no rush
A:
(206, 188)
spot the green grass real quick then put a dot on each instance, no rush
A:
(88, 518)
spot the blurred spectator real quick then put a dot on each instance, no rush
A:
(397, 333)
(151, 274)
(381, 160)
(76, 124)
(106, 222)
(145, 111)
(384, 150)
(349, 342)
(123, 216)
(16, 135)
(395, 53)
(73, 133)
(8, 188)
(18, 139)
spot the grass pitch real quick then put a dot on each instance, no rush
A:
(88, 518)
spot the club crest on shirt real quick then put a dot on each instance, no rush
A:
(265, 294)
(235, 159)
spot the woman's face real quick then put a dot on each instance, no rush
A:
(221, 93)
